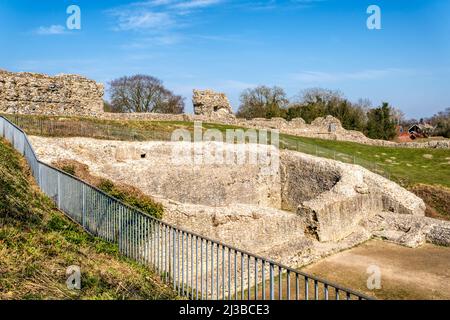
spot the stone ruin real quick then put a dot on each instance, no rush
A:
(211, 104)
(74, 95)
(32, 93)
(306, 207)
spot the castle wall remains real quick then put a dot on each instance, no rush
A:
(32, 93)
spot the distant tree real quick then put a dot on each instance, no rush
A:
(308, 112)
(317, 102)
(313, 103)
(351, 117)
(320, 96)
(142, 93)
(441, 122)
(263, 102)
(380, 123)
(398, 116)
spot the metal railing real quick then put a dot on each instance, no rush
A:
(197, 267)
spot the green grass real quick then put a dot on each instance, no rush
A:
(410, 166)
(38, 243)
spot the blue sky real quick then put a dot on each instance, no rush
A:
(231, 45)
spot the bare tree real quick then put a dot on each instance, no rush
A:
(262, 102)
(320, 96)
(142, 93)
(398, 116)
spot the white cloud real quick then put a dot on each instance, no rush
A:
(51, 30)
(192, 4)
(274, 4)
(157, 14)
(143, 20)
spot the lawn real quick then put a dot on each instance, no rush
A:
(405, 165)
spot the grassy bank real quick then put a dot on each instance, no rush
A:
(38, 243)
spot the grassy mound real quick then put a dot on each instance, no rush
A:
(38, 243)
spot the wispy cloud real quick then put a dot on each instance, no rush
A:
(195, 4)
(56, 29)
(274, 4)
(329, 77)
(143, 20)
(157, 15)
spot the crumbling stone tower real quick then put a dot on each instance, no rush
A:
(211, 104)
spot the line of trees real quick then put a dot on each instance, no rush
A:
(266, 102)
(441, 122)
(143, 93)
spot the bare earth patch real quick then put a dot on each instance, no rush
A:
(420, 273)
(437, 200)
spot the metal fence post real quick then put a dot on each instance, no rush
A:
(83, 219)
(59, 189)
(272, 290)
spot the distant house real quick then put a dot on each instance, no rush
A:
(420, 130)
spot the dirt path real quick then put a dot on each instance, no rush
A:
(421, 273)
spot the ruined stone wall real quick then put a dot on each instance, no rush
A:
(32, 93)
(346, 195)
(338, 215)
(211, 104)
(331, 197)
(328, 128)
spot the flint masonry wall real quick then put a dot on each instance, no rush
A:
(31, 93)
